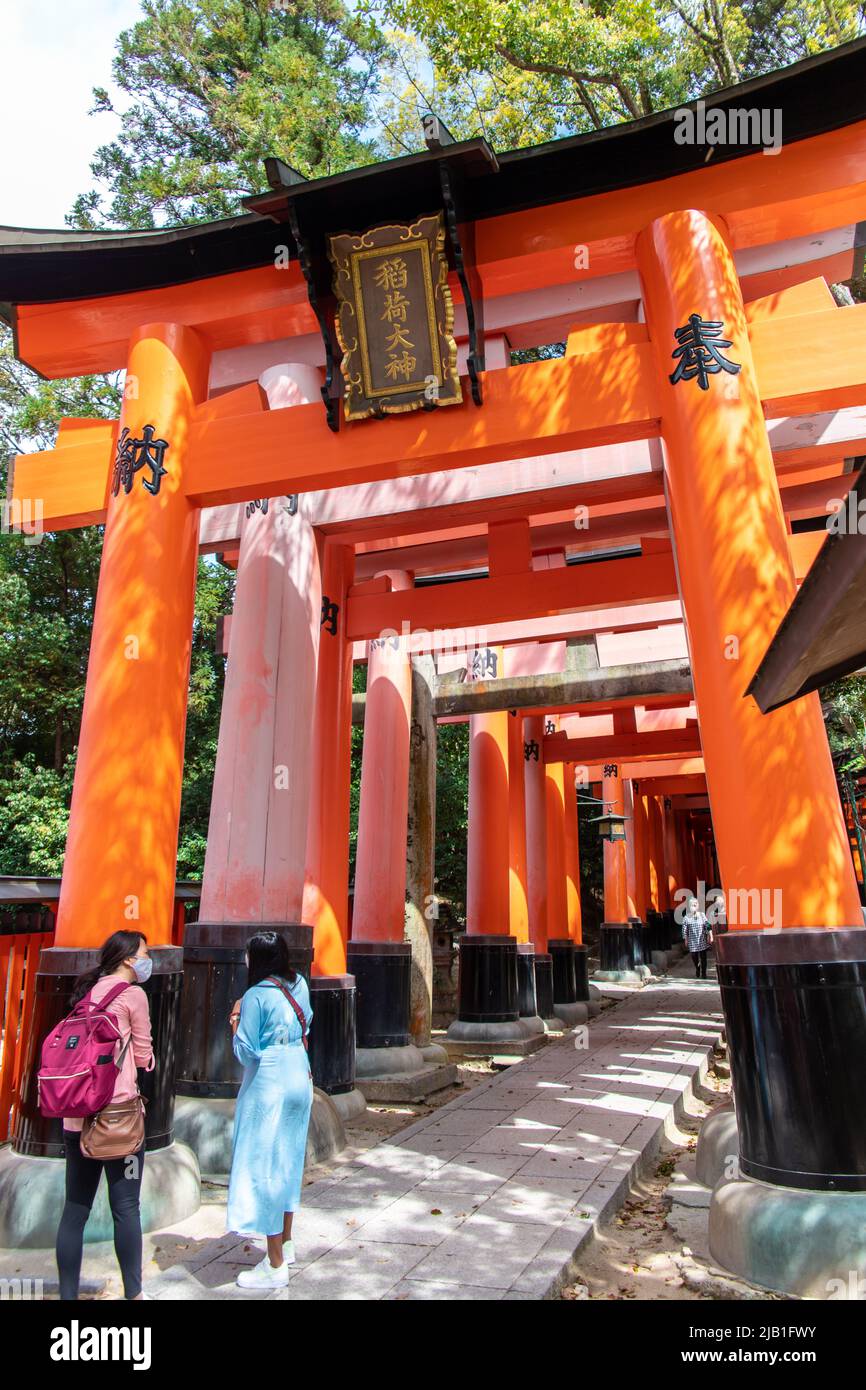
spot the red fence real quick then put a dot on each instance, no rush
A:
(22, 936)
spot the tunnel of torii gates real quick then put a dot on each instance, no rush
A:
(589, 554)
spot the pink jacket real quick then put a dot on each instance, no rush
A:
(133, 1017)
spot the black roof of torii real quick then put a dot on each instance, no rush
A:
(817, 95)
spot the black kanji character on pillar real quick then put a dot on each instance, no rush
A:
(329, 615)
(260, 504)
(550, 727)
(133, 454)
(699, 352)
(484, 663)
(530, 750)
(610, 770)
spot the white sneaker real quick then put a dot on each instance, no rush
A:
(264, 1276)
(289, 1251)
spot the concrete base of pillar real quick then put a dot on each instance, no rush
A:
(207, 1127)
(555, 1025)
(400, 1075)
(637, 977)
(793, 1240)
(533, 1027)
(32, 1194)
(572, 1014)
(434, 1054)
(349, 1105)
(487, 1039)
(717, 1153)
(594, 1003)
(387, 1061)
(660, 962)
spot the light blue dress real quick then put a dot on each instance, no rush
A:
(273, 1109)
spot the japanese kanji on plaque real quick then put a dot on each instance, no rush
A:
(395, 319)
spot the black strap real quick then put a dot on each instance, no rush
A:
(293, 1001)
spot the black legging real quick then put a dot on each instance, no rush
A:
(124, 1188)
(700, 960)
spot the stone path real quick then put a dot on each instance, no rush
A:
(492, 1195)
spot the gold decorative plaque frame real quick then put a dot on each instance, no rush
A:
(414, 310)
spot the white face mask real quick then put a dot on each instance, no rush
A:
(142, 968)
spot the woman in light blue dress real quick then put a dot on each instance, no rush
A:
(273, 1106)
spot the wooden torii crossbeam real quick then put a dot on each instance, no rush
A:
(239, 450)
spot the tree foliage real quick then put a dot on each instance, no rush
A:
(214, 86)
(522, 74)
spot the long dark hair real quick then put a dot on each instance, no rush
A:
(112, 953)
(269, 955)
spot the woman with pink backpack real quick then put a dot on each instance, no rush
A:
(108, 995)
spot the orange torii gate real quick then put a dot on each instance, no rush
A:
(702, 373)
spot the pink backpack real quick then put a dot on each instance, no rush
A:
(78, 1071)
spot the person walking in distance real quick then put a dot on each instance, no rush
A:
(697, 937)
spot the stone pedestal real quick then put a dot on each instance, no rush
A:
(795, 1013)
(620, 955)
(544, 992)
(566, 1004)
(527, 1000)
(207, 1127)
(488, 1018)
(793, 1215)
(388, 1067)
(332, 1042)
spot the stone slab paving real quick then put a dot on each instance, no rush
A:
(492, 1196)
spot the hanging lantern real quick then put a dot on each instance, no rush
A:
(611, 826)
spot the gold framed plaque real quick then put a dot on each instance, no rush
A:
(395, 319)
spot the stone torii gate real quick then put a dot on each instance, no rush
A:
(737, 355)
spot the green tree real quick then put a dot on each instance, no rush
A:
(522, 74)
(215, 86)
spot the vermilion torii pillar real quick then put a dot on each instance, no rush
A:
(560, 942)
(572, 883)
(535, 787)
(527, 1001)
(326, 881)
(326, 878)
(487, 1006)
(121, 850)
(780, 834)
(254, 862)
(638, 834)
(518, 904)
(620, 948)
(378, 955)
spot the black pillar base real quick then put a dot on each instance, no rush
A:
(487, 988)
(527, 995)
(215, 975)
(642, 942)
(59, 967)
(332, 1035)
(581, 973)
(795, 1010)
(673, 935)
(544, 984)
(562, 954)
(657, 929)
(618, 947)
(383, 977)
